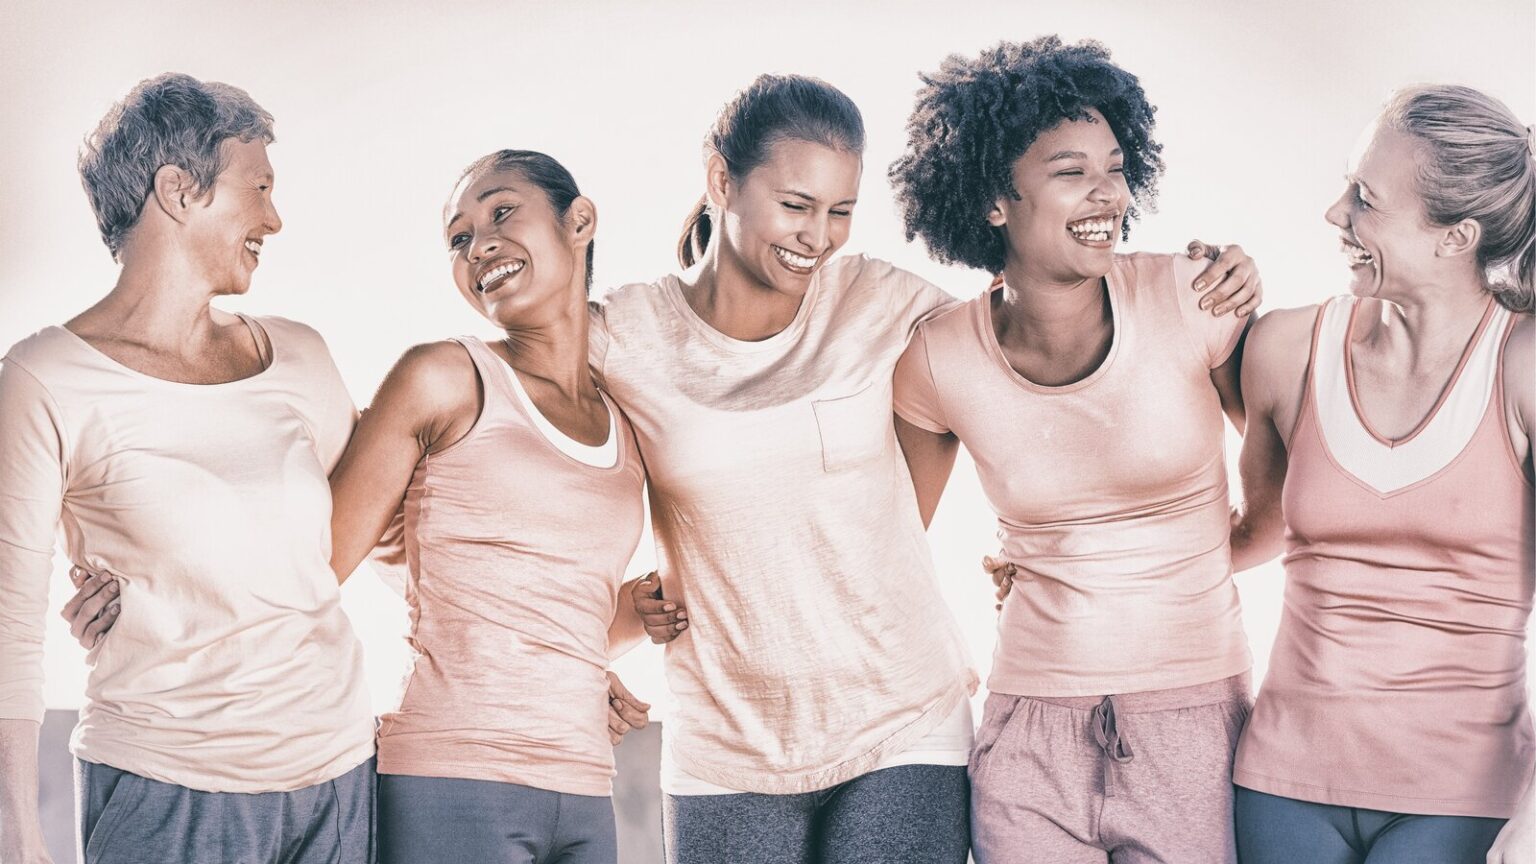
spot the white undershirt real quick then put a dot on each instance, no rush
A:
(604, 455)
(948, 744)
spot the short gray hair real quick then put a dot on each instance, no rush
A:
(171, 119)
(1477, 163)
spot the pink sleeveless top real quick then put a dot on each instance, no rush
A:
(516, 552)
(1398, 678)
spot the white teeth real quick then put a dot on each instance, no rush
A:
(1098, 230)
(498, 273)
(793, 260)
(1357, 255)
(254, 246)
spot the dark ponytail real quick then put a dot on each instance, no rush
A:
(773, 108)
(543, 171)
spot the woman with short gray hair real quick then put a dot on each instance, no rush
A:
(1393, 724)
(185, 450)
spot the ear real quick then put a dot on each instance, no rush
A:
(996, 217)
(173, 191)
(717, 180)
(1459, 239)
(581, 221)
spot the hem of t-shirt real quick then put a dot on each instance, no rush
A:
(779, 782)
(548, 781)
(918, 421)
(1226, 352)
(1387, 802)
(1068, 686)
(131, 759)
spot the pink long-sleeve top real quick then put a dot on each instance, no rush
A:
(232, 667)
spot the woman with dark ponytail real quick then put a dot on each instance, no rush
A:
(822, 687)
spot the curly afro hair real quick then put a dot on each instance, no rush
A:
(974, 118)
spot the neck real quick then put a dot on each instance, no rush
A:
(1429, 321)
(1051, 311)
(555, 350)
(159, 301)
(731, 300)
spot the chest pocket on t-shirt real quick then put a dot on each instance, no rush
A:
(853, 429)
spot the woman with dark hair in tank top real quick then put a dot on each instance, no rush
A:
(1389, 444)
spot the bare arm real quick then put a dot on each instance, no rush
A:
(1227, 379)
(1516, 842)
(627, 630)
(21, 830)
(428, 401)
(1273, 373)
(930, 459)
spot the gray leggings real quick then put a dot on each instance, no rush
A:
(128, 818)
(1276, 830)
(428, 819)
(909, 813)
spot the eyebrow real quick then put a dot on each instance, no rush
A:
(481, 197)
(812, 198)
(1078, 154)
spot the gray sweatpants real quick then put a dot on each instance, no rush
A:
(908, 814)
(126, 819)
(423, 820)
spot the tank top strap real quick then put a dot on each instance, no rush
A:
(1308, 408)
(497, 399)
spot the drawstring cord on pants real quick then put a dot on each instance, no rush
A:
(1106, 731)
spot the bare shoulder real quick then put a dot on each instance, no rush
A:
(1281, 340)
(431, 380)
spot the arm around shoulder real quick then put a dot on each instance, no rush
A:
(428, 401)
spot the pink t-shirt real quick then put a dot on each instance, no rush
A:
(785, 519)
(516, 552)
(1110, 493)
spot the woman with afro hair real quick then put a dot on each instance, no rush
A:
(1089, 387)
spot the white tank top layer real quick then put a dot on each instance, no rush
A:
(1383, 464)
(604, 455)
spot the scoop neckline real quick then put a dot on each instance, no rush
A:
(1113, 297)
(251, 324)
(672, 286)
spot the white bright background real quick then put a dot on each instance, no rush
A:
(379, 105)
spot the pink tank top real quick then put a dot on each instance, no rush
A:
(516, 552)
(1398, 677)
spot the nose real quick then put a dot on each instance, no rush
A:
(273, 223)
(483, 248)
(1337, 213)
(814, 231)
(1105, 189)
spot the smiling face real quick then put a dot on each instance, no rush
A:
(1385, 233)
(513, 256)
(1072, 202)
(790, 214)
(232, 220)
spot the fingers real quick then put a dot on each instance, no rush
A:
(86, 584)
(1249, 306)
(663, 619)
(97, 629)
(1198, 249)
(617, 690)
(94, 595)
(1240, 286)
(616, 727)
